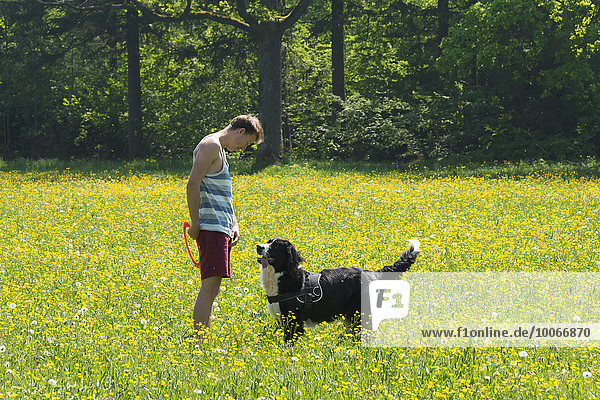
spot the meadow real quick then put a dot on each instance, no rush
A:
(97, 290)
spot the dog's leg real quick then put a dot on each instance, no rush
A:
(353, 327)
(293, 327)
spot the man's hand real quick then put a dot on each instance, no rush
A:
(194, 231)
(235, 234)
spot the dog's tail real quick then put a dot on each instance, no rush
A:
(407, 258)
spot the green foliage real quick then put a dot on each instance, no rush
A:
(59, 95)
(364, 130)
(196, 78)
(93, 109)
(512, 80)
(24, 85)
(526, 60)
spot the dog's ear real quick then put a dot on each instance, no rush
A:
(294, 258)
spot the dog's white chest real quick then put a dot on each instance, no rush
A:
(274, 310)
(269, 280)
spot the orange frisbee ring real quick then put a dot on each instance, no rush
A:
(185, 226)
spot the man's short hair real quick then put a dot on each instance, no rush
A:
(251, 124)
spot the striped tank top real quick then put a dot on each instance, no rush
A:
(216, 200)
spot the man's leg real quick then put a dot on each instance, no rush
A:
(204, 302)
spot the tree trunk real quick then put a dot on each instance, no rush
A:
(269, 98)
(285, 119)
(134, 91)
(444, 19)
(6, 121)
(112, 30)
(337, 48)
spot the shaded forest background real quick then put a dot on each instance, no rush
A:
(458, 79)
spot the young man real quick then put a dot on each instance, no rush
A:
(209, 197)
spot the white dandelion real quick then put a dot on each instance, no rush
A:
(587, 374)
(523, 354)
(52, 382)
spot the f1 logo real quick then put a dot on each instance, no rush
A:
(389, 300)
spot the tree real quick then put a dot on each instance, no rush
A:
(527, 74)
(134, 101)
(337, 49)
(266, 29)
(27, 73)
(444, 19)
(134, 90)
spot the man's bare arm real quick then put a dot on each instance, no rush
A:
(205, 154)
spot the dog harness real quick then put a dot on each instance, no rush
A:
(311, 292)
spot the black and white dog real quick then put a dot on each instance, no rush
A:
(296, 298)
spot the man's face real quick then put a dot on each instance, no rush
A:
(241, 141)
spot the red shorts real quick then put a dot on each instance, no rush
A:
(215, 254)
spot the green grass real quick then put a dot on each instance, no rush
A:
(96, 290)
(588, 167)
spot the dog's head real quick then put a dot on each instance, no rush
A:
(280, 254)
